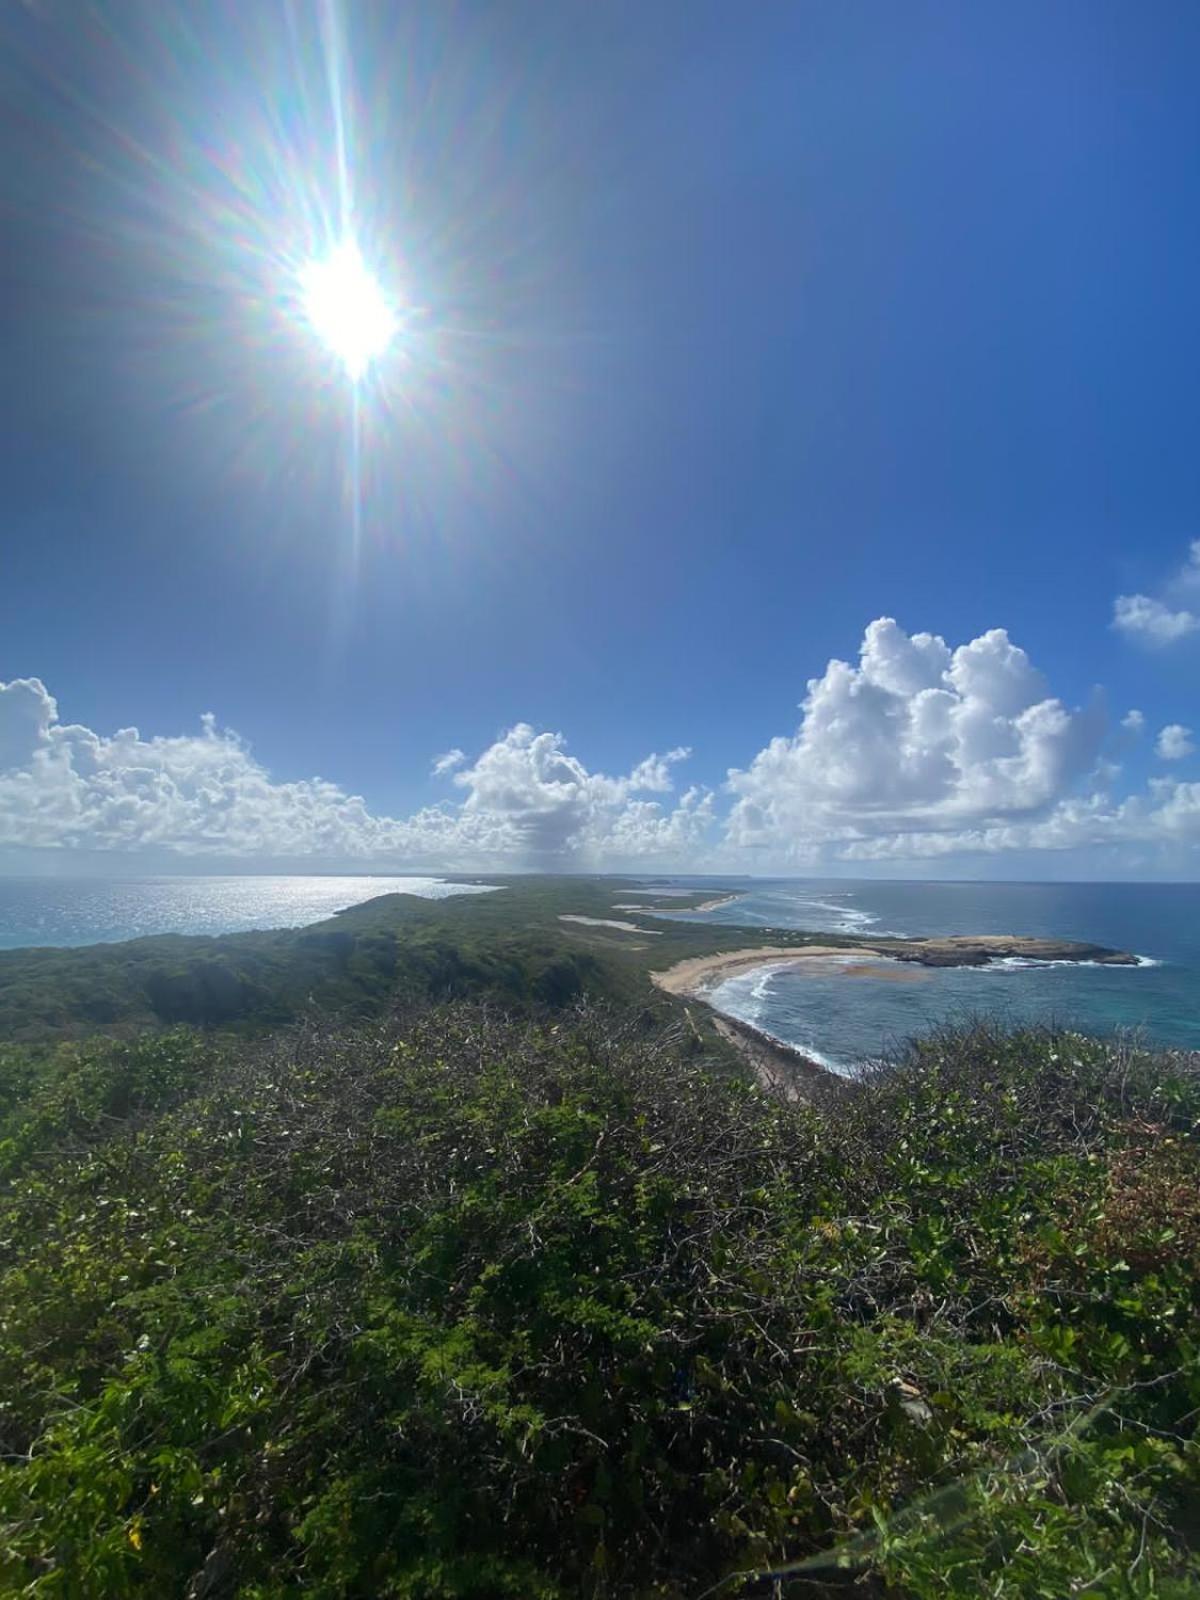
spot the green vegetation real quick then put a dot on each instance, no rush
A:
(447, 1304)
(511, 946)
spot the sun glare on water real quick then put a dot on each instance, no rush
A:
(347, 308)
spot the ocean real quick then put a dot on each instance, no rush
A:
(840, 1014)
(75, 911)
(837, 1016)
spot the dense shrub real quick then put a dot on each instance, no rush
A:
(457, 1306)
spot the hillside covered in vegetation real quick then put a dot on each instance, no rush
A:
(536, 941)
(442, 1304)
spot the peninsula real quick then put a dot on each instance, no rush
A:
(696, 976)
(538, 941)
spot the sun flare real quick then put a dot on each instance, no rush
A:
(347, 308)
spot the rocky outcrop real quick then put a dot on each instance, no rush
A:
(965, 950)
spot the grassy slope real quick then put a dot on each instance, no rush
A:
(450, 1306)
(509, 946)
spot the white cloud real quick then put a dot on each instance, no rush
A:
(917, 739)
(1175, 812)
(554, 807)
(921, 753)
(654, 773)
(1162, 823)
(917, 751)
(1150, 621)
(1161, 622)
(528, 801)
(26, 712)
(1174, 742)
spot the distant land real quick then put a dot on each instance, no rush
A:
(537, 940)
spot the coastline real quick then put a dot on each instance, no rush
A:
(721, 900)
(675, 909)
(782, 1067)
(700, 973)
(779, 1067)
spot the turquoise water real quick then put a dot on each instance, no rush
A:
(842, 1016)
(73, 911)
(836, 1015)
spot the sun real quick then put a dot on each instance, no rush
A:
(347, 308)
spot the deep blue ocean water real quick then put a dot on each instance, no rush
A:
(842, 1016)
(71, 911)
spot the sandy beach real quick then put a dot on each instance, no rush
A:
(784, 1069)
(721, 900)
(702, 973)
(707, 905)
(608, 922)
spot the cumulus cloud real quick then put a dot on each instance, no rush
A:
(1160, 823)
(917, 750)
(1163, 621)
(26, 713)
(1150, 621)
(917, 739)
(654, 773)
(553, 806)
(527, 800)
(1174, 742)
(1173, 812)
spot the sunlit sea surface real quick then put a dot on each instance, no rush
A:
(834, 1014)
(71, 911)
(841, 1017)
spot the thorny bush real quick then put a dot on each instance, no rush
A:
(461, 1306)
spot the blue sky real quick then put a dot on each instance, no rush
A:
(727, 331)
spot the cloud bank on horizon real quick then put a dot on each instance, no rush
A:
(919, 751)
